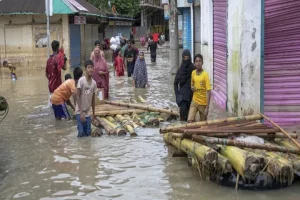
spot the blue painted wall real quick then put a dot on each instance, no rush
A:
(187, 26)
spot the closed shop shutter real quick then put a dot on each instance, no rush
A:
(89, 44)
(75, 45)
(282, 61)
(109, 32)
(125, 30)
(95, 35)
(187, 36)
(220, 52)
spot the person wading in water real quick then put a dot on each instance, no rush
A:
(182, 85)
(130, 56)
(153, 46)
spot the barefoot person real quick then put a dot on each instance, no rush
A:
(200, 85)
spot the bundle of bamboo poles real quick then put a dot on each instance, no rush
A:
(273, 151)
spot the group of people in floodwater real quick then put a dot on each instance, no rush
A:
(84, 85)
(191, 85)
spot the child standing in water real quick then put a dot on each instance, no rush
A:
(119, 64)
(200, 85)
(86, 90)
(12, 70)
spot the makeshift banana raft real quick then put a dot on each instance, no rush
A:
(119, 118)
(221, 150)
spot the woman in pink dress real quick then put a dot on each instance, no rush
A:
(101, 72)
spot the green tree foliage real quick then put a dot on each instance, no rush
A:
(123, 7)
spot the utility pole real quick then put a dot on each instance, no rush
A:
(173, 33)
(49, 12)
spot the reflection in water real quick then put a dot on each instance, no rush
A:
(41, 158)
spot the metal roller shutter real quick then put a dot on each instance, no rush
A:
(220, 52)
(95, 35)
(282, 61)
(109, 32)
(75, 45)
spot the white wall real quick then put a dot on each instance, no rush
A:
(197, 29)
(207, 36)
(244, 39)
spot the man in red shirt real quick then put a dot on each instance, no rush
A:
(55, 63)
(155, 37)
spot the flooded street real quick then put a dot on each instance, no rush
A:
(41, 158)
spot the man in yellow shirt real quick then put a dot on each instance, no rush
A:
(200, 85)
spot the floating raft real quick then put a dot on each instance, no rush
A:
(120, 118)
(215, 148)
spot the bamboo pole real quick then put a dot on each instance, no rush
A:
(153, 121)
(126, 125)
(117, 130)
(295, 159)
(226, 135)
(223, 165)
(132, 100)
(268, 147)
(96, 132)
(283, 131)
(223, 130)
(141, 99)
(262, 135)
(138, 120)
(133, 124)
(106, 127)
(211, 122)
(143, 107)
(204, 154)
(111, 119)
(280, 168)
(247, 164)
(118, 112)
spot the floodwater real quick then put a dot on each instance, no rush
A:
(41, 158)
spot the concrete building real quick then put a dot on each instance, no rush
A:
(23, 37)
(152, 17)
(76, 24)
(251, 51)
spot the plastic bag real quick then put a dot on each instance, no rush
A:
(250, 139)
(113, 41)
(113, 47)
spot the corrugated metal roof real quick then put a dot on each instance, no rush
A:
(38, 7)
(92, 9)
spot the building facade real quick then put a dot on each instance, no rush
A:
(251, 51)
(76, 24)
(152, 18)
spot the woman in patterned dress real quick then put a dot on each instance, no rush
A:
(140, 75)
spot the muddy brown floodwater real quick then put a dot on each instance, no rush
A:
(41, 158)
